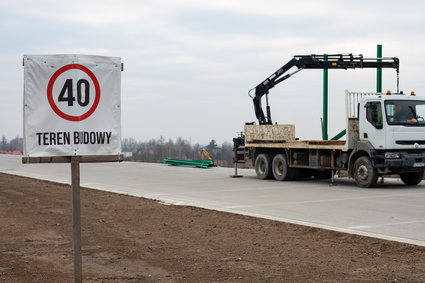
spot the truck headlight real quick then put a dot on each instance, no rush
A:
(392, 155)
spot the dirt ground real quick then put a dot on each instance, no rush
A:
(130, 239)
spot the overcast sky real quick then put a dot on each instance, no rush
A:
(189, 64)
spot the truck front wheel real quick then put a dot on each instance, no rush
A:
(364, 173)
(263, 164)
(281, 169)
(412, 179)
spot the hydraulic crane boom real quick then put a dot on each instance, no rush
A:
(335, 61)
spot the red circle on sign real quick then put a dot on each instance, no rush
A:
(50, 92)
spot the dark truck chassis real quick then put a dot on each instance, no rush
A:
(363, 163)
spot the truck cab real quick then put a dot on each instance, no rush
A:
(391, 137)
(393, 121)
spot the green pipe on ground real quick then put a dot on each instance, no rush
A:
(193, 163)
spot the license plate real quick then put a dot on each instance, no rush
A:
(419, 164)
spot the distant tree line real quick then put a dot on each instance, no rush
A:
(15, 144)
(156, 150)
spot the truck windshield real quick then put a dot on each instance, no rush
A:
(405, 112)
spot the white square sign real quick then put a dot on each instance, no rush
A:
(72, 105)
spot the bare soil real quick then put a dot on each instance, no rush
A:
(131, 239)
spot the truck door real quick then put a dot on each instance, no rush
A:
(372, 124)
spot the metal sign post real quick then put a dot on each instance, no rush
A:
(76, 223)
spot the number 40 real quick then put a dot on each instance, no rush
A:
(67, 93)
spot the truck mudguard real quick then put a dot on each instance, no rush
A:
(362, 148)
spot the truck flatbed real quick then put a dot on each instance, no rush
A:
(307, 144)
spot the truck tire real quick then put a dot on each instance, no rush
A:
(364, 173)
(281, 170)
(263, 165)
(412, 179)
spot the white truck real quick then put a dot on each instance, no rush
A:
(385, 135)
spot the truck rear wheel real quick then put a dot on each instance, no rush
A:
(412, 179)
(263, 164)
(364, 173)
(281, 169)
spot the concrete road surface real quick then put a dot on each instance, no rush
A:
(391, 211)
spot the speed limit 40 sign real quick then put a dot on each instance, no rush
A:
(72, 105)
(85, 94)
